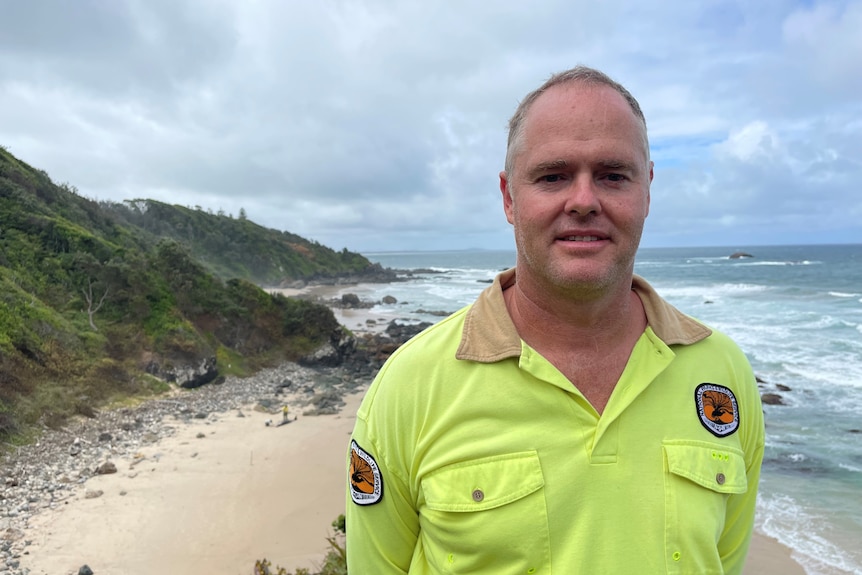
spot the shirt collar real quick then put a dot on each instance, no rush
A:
(489, 334)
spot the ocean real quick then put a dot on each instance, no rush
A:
(796, 311)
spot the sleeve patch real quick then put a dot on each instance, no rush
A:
(366, 481)
(717, 409)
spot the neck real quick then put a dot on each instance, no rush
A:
(549, 321)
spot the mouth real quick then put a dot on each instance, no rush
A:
(580, 238)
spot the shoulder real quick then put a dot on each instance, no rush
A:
(420, 359)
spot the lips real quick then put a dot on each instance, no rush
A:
(580, 239)
(585, 236)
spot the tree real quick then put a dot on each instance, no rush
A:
(88, 295)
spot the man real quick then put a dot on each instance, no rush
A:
(570, 420)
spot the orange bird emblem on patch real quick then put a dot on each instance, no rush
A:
(717, 409)
(366, 481)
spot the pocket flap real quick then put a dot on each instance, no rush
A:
(485, 483)
(715, 467)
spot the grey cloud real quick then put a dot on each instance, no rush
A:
(374, 124)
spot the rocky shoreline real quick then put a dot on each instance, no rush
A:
(48, 473)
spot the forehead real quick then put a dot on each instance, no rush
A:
(580, 117)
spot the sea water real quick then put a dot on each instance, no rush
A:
(796, 311)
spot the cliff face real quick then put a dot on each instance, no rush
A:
(100, 301)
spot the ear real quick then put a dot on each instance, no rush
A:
(649, 185)
(506, 190)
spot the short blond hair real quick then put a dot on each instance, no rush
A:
(580, 75)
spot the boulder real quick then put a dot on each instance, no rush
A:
(189, 375)
(350, 300)
(106, 468)
(738, 255)
(331, 353)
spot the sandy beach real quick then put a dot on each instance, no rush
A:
(212, 499)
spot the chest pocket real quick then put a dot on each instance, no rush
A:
(487, 516)
(700, 477)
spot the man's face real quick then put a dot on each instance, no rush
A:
(578, 193)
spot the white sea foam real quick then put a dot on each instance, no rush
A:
(849, 467)
(843, 294)
(711, 292)
(782, 518)
(777, 263)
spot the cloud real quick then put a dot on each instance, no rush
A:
(375, 125)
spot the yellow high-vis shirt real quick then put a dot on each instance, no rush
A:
(472, 454)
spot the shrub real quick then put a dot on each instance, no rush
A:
(335, 562)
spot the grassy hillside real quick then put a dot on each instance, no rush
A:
(237, 247)
(93, 296)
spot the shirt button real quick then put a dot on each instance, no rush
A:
(720, 478)
(478, 495)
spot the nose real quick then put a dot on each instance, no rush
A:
(581, 197)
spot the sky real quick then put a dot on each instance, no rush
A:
(380, 125)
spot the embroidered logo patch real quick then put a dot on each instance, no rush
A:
(366, 482)
(716, 406)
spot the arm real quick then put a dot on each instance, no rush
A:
(382, 532)
(739, 520)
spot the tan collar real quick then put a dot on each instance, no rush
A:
(489, 334)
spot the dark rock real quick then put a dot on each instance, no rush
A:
(402, 332)
(85, 570)
(105, 436)
(285, 384)
(781, 387)
(438, 313)
(189, 375)
(388, 299)
(332, 353)
(738, 255)
(350, 300)
(326, 403)
(771, 399)
(106, 468)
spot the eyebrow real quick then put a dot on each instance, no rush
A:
(618, 165)
(549, 166)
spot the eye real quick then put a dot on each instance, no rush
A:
(551, 178)
(616, 177)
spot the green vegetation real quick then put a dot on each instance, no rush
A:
(94, 295)
(238, 248)
(335, 562)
